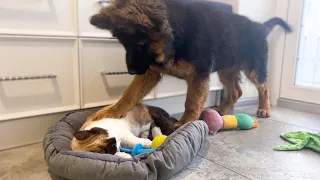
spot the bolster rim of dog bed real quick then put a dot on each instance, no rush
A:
(177, 152)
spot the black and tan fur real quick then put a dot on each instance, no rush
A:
(188, 39)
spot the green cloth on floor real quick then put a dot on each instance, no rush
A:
(300, 140)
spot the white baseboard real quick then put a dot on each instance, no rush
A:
(25, 131)
(175, 105)
(298, 105)
(245, 102)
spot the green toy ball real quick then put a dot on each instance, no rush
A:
(244, 121)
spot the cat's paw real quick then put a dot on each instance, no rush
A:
(146, 143)
(123, 155)
(144, 134)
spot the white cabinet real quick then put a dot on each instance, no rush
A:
(215, 83)
(87, 8)
(170, 86)
(38, 17)
(52, 60)
(96, 57)
(47, 75)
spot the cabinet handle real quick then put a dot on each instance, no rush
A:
(19, 78)
(105, 73)
(104, 3)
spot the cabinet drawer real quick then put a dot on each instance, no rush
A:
(37, 76)
(99, 56)
(87, 9)
(40, 17)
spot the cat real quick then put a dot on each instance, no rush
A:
(108, 135)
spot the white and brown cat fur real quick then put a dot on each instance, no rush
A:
(107, 135)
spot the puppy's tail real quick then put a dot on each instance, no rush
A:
(277, 21)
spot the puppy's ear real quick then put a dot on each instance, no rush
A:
(82, 135)
(101, 21)
(120, 3)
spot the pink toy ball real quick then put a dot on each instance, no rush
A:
(213, 120)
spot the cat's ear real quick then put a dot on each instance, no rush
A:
(101, 21)
(97, 130)
(82, 135)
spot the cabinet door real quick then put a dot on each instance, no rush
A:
(86, 9)
(38, 17)
(97, 57)
(37, 76)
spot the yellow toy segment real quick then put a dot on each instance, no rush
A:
(157, 141)
(230, 122)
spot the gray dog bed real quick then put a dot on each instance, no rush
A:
(179, 149)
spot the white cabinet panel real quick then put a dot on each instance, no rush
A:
(86, 9)
(25, 56)
(96, 57)
(38, 17)
(215, 83)
(171, 86)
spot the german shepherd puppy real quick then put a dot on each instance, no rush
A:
(188, 39)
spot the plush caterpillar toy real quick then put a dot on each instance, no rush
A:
(216, 122)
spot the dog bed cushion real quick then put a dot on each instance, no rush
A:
(179, 149)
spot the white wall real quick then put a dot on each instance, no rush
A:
(257, 10)
(260, 11)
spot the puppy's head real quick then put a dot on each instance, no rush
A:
(141, 26)
(94, 140)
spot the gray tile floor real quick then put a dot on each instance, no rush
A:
(231, 154)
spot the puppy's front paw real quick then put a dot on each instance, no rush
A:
(263, 113)
(107, 112)
(146, 143)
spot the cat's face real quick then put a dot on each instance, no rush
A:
(96, 140)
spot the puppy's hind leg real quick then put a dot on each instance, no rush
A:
(263, 90)
(230, 79)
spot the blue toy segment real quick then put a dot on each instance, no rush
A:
(137, 149)
(125, 150)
